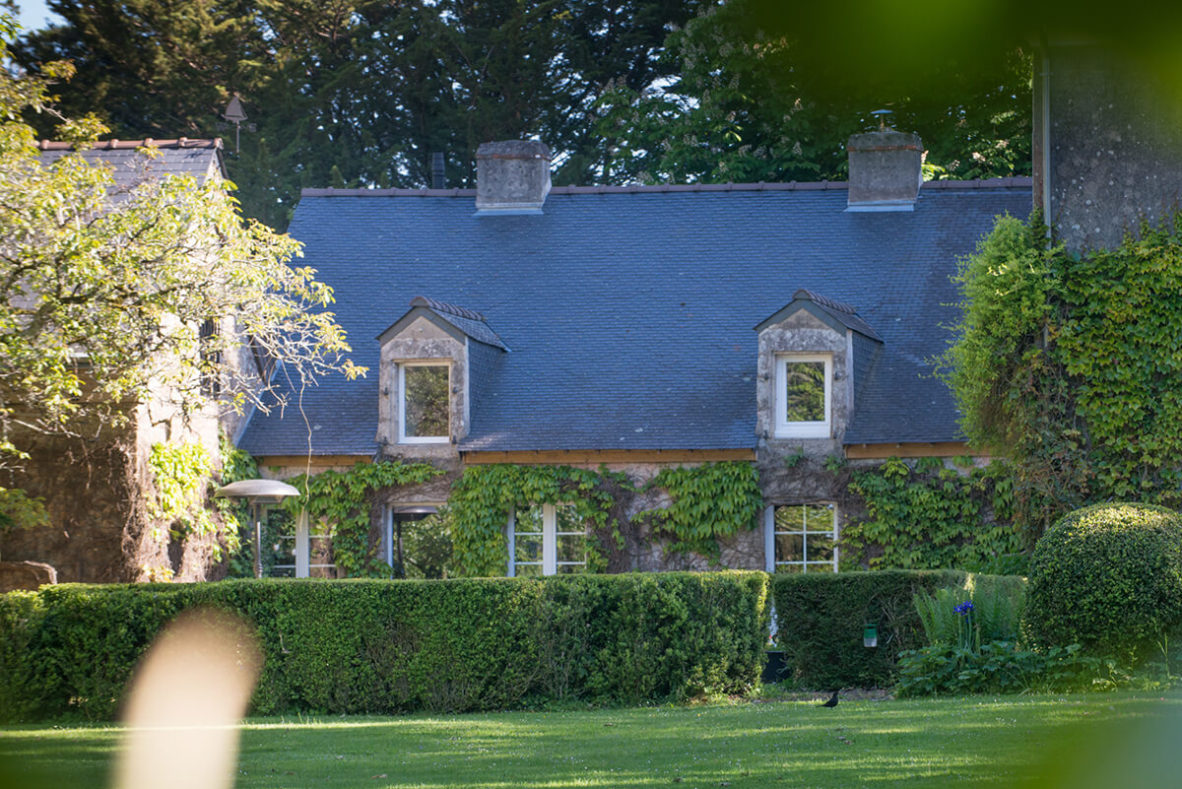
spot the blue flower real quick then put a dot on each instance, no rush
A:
(964, 608)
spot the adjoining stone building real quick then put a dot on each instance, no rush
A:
(641, 328)
(94, 479)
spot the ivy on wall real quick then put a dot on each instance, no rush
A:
(708, 502)
(342, 500)
(484, 496)
(928, 516)
(1069, 365)
(181, 473)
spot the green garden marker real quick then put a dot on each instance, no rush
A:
(870, 636)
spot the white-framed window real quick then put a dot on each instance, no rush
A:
(547, 540)
(424, 402)
(801, 538)
(804, 394)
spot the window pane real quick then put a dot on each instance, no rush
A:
(529, 570)
(789, 518)
(789, 568)
(819, 567)
(568, 520)
(426, 400)
(528, 520)
(804, 391)
(819, 518)
(529, 547)
(567, 569)
(820, 548)
(572, 548)
(788, 547)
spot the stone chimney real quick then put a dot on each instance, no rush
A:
(512, 177)
(885, 170)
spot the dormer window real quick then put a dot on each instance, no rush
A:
(432, 359)
(804, 395)
(425, 392)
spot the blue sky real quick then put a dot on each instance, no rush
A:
(34, 14)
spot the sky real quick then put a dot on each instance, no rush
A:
(34, 14)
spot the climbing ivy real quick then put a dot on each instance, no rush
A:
(483, 497)
(928, 516)
(1069, 365)
(181, 473)
(342, 500)
(708, 501)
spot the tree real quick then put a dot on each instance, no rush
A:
(755, 102)
(104, 291)
(360, 92)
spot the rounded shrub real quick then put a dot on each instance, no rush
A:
(1108, 577)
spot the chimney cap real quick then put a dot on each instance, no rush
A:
(513, 149)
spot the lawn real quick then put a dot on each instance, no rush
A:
(972, 741)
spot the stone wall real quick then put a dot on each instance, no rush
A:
(1114, 156)
(95, 486)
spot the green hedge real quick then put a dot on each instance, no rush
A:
(365, 646)
(820, 619)
(1108, 577)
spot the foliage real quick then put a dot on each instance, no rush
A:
(484, 496)
(1066, 364)
(19, 510)
(820, 619)
(987, 609)
(362, 92)
(341, 501)
(1108, 577)
(709, 501)
(928, 516)
(104, 289)
(365, 646)
(753, 102)
(181, 474)
(365, 90)
(1001, 667)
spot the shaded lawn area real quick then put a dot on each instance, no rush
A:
(969, 741)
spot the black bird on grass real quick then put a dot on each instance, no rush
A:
(832, 702)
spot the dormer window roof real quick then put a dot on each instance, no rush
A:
(835, 314)
(457, 321)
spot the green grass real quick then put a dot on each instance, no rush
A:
(970, 741)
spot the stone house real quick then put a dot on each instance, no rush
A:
(640, 328)
(93, 481)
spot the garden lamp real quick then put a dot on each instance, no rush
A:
(258, 493)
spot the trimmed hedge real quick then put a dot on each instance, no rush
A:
(1108, 577)
(820, 619)
(366, 646)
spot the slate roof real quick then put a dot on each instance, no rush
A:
(835, 313)
(198, 158)
(470, 322)
(629, 310)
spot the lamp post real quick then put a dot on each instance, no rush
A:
(258, 493)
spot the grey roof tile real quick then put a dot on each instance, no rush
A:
(201, 159)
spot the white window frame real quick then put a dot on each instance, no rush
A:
(403, 438)
(550, 535)
(769, 536)
(786, 429)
